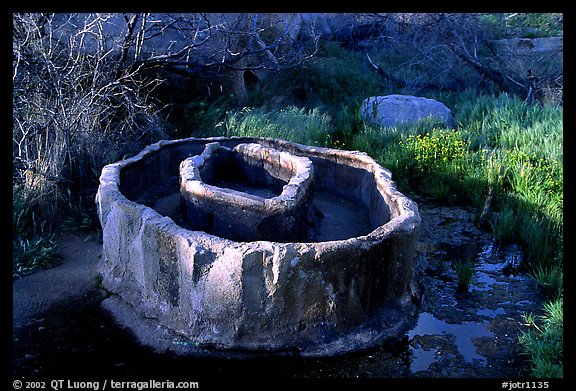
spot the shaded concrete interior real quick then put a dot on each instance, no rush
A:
(341, 192)
(230, 169)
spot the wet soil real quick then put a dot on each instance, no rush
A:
(63, 332)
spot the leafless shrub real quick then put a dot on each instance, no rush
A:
(225, 48)
(449, 51)
(74, 109)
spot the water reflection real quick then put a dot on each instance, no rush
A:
(464, 334)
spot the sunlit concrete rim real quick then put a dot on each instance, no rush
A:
(404, 216)
(333, 323)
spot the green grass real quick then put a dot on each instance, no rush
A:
(334, 79)
(294, 124)
(503, 148)
(505, 225)
(523, 25)
(33, 253)
(33, 246)
(520, 146)
(543, 341)
(439, 150)
(464, 272)
(550, 279)
(81, 215)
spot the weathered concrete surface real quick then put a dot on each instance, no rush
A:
(242, 215)
(315, 298)
(396, 110)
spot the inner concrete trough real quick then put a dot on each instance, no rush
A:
(348, 284)
(247, 193)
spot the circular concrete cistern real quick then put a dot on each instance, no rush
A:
(257, 244)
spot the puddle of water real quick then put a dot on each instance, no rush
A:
(464, 334)
(482, 282)
(485, 255)
(489, 259)
(508, 259)
(490, 263)
(487, 251)
(421, 359)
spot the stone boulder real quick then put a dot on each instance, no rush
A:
(396, 110)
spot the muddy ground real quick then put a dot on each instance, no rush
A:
(60, 330)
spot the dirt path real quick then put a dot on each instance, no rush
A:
(59, 323)
(74, 278)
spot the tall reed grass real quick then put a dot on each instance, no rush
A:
(292, 123)
(543, 341)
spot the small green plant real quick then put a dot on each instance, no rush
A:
(31, 254)
(80, 217)
(33, 247)
(199, 117)
(543, 341)
(464, 272)
(524, 25)
(438, 189)
(540, 237)
(98, 281)
(550, 279)
(335, 77)
(504, 228)
(496, 169)
(531, 175)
